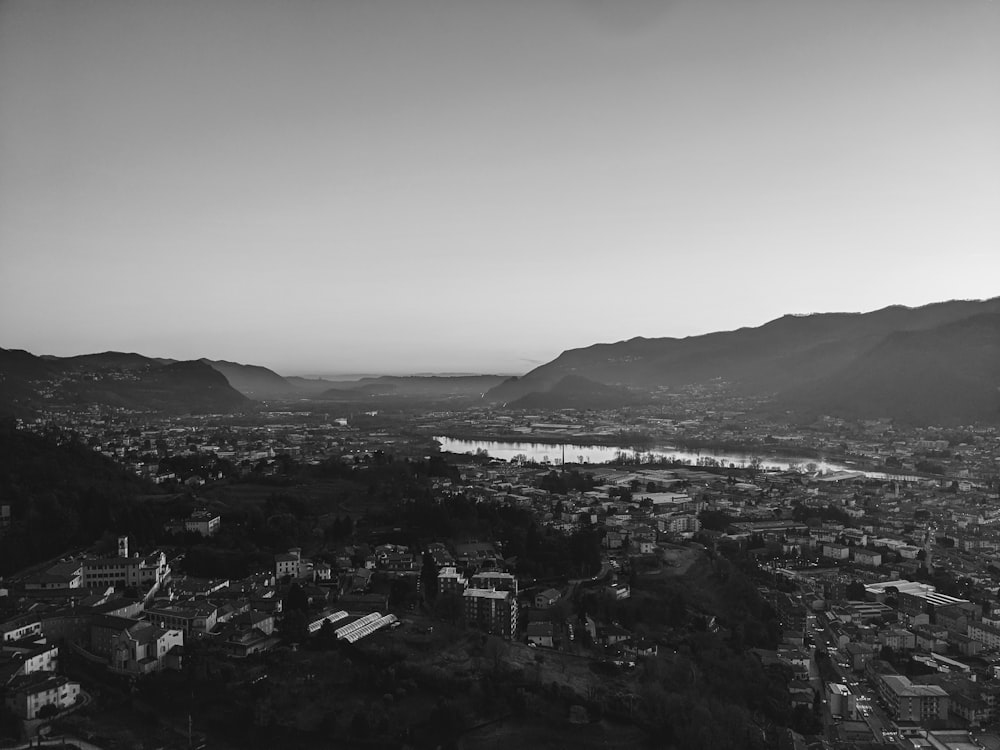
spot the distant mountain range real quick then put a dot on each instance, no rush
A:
(937, 364)
(116, 379)
(129, 380)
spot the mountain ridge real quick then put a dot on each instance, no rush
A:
(784, 354)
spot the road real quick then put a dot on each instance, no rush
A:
(60, 741)
(878, 722)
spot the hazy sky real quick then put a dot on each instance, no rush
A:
(365, 185)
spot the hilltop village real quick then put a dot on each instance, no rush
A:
(294, 578)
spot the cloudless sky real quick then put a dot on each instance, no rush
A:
(476, 185)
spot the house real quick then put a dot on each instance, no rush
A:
(28, 695)
(323, 572)
(613, 634)
(619, 590)
(27, 657)
(287, 563)
(249, 633)
(639, 647)
(540, 634)
(545, 599)
(145, 648)
(20, 627)
(63, 575)
(203, 522)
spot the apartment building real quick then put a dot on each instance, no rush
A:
(450, 581)
(908, 702)
(491, 610)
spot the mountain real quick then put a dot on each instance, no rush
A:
(784, 355)
(107, 361)
(575, 392)
(947, 375)
(416, 386)
(255, 381)
(113, 379)
(309, 387)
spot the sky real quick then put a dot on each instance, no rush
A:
(392, 186)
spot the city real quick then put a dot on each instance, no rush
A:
(511, 597)
(481, 374)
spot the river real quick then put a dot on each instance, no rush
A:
(599, 454)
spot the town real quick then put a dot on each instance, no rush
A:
(539, 594)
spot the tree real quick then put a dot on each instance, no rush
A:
(429, 577)
(855, 591)
(295, 600)
(295, 626)
(47, 711)
(494, 652)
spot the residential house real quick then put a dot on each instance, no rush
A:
(540, 634)
(548, 597)
(27, 695)
(203, 522)
(20, 627)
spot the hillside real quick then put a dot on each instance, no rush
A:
(63, 494)
(575, 392)
(947, 375)
(255, 381)
(417, 386)
(113, 379)
(784, 355)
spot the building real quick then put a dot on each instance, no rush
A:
(545, 599)
(492, 611)
(867, 557)
(287, 563)
(145, 648)
(190, 617)
(540, 634)
(494, 580)
(908, 702)
(898, 639)
(63, 575)
(618, 590)
(26, 658)
(203, 522)
(28, 695)
(842, 701)
(450, 581)
(144, 572)
(836, 551)
(20, 627)
(987, 635)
